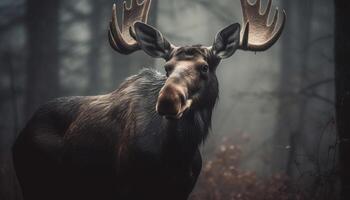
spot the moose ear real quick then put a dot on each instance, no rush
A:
(227, 41)
(152, 41)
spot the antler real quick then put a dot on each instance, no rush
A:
(257, 34)
(122, 40)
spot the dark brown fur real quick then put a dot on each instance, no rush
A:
(113, 146)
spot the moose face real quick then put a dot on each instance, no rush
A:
(191, 80)
(190, 74)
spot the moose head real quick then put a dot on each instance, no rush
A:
(190, 70)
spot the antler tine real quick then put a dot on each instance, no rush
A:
(114, 34)
(275, 18)
(257, 34)
(268, 8)
(121, 38)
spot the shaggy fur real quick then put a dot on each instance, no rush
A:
(113, 146)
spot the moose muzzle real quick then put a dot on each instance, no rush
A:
(173, 100)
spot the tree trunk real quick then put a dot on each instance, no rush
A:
(342, 79)
(291, 108)
(43, 61)
(94, 55)
(305, 25)
(9, 187)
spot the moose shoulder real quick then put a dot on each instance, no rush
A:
(140, 141)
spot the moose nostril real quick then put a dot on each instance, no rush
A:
(182, 99)
(166, 106)
(170, 103)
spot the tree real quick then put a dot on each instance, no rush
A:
(342, 79)
(42, 23)
(291, 110)
(96, 17)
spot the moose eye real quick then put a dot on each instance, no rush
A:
(204, 68)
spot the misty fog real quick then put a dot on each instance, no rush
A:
(277, 106)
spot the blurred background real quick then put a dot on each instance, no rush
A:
(273, 133)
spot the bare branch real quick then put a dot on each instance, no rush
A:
(319, 97)
(317, 40)
(316, 84)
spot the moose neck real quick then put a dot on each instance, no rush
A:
(183, 136)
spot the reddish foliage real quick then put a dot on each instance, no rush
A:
(222, 179)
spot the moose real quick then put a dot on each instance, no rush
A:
(139, 142)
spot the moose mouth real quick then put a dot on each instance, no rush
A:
(172, 110)
(180, 114)
(173, 117)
